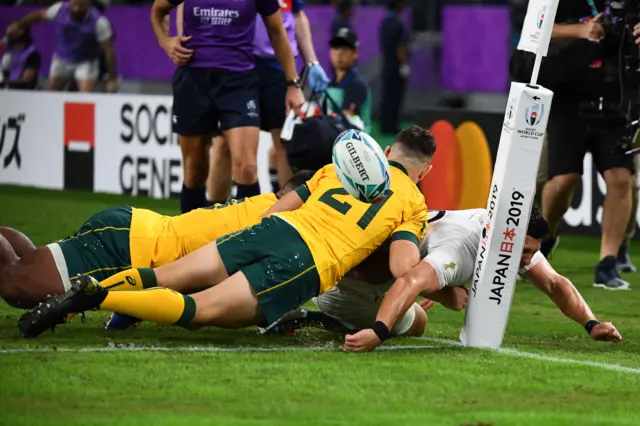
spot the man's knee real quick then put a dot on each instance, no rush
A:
(245, 169)
(564, 183)
(618, 180)
(86, 86)
(221, 145)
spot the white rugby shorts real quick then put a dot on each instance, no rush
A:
(86, 70)
(355, 304)
(453, 261)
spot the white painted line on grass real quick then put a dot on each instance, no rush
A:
(540, 357)
(133, 348)
(125, 348)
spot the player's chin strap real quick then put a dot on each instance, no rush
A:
(381, 330)
(590, 325)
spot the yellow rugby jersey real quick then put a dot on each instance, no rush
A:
(341, 231)
(156, 240)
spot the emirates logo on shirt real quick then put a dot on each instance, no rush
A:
(213, 16)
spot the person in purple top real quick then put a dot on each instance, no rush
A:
(80, 32)
(273, 91)
(21, 61)
(216, 84)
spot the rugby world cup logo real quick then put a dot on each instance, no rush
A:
(541, 14)
(511, 106)
(534, 114)
(252, 109)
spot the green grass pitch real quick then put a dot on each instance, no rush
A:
(82, 374)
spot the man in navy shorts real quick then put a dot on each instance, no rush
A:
(216, 85)
(272, 91)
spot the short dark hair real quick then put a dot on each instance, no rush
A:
(417, 140)
(538, 226)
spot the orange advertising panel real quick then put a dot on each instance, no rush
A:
(462, 167)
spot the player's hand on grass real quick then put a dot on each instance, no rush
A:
(460, 299)
(179, 54)
(605, 331)
(363, 341)
(426, 304)
(454, 298)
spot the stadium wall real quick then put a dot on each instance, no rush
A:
(122, 144)
(119, 144)
(462, 177)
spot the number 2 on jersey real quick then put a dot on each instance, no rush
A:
(343, 207)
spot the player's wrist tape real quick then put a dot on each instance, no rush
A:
(381, 330)
(589, 325)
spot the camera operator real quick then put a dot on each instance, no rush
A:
(624, 261)
(587, 115)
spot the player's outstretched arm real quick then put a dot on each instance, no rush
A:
(568, 299)
(454, 298)
(33, 18)
(291, 201)
(403, 255)
(401, 295)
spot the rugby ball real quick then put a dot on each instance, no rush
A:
(361, 166)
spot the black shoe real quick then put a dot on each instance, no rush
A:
(548, 245)
(85, 294)
(288, 323)
(302, 318)
(623, 262)
(607, 276)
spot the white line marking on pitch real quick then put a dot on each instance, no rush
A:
(505, 351)
(125, 348)
(540, 357)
